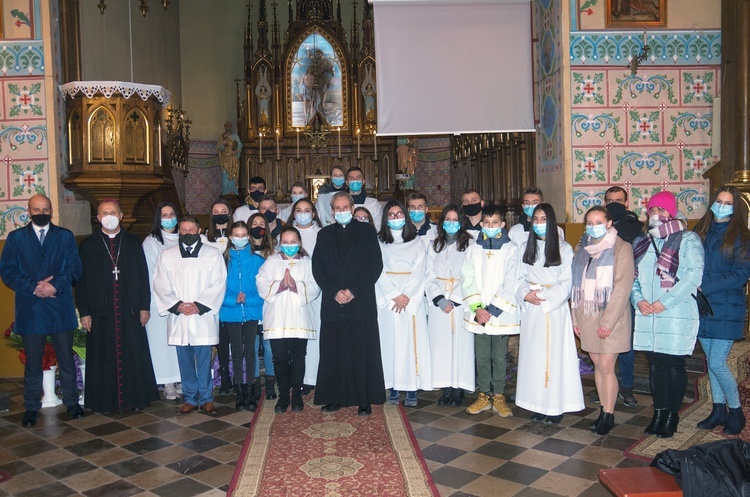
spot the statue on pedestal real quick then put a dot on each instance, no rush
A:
(230, 148)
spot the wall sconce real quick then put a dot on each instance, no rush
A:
(178, 139)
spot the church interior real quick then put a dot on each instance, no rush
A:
(136, 99)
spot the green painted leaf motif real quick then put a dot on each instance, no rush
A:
(578, 98)
(35, 88)
(18, 190)
(13, 88)
(17, 169)
(578, 77)
(36, 110)
(14, 111)
(38, 169)
(39, 189)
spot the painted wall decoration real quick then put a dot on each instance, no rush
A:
(434, 169)
(636, 13)
(203, 183)
(316, 83)
(548, 93)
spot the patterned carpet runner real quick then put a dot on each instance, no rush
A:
(340, 454)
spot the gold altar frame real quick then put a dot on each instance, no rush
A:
(633, 20)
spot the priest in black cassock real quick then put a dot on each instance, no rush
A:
(346, 264)
(113, 298)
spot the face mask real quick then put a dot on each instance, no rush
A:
(41, 219)
(417, 216)
(221, 218)
(303, 218)
(169, 224)
(189, 238)
(616, 210)
(540, 229)
(257, 232)
(597, 231)
(451, 227)
(256, 195)
(338, 182)
(297, 197)
(396, 224)
(110, 222)
(355, 186)
(473, 209)
(343, 218)
(269, 216)
(240, 243)
(655, 221)
(529, 210)
(721, 211)
(491, 232)
(289, 250)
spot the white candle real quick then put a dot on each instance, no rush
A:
(645, 39)
(358, 143)
(298, 143)
(260, 147)
(375, 142)
(278, 151)
(339, 130)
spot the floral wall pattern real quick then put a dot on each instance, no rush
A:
(648, 131)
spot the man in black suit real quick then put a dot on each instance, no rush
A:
(40, 263)
(346, 264)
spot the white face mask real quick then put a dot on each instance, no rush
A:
(654, 221)
(110, 222)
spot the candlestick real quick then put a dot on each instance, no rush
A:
(298, 143)
(260, 147)
(278, 151)
(339, 130)
(358, 143)
(645, 39)
(375, 142)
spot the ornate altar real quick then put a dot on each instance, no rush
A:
(310, 104)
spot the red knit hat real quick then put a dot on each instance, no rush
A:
(666, 201)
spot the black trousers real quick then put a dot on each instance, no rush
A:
(34, 347)
(242, 340)
(289, 362)
(668, 378)
(222, 348)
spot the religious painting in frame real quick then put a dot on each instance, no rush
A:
(636, 13)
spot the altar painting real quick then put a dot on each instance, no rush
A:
(316, 83)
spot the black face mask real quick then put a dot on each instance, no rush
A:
(616, 210)
(270, 216)
(473, 209)
(221, 218)
(41, 219)
(256, 195)
(257, 232)
(189, 238)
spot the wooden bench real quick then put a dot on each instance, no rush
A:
(639, 482)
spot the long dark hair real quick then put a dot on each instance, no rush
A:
(156, 226)
(737, 229)
(211, 231)
(552, 247)
(385, 235)
(463, 238)
(288, 228)
(316, 219)
(267, 243)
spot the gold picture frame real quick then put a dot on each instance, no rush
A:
(636, 13)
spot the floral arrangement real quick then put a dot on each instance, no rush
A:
(79, 340)
(49, 358)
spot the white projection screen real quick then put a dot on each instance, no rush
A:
(460, 66)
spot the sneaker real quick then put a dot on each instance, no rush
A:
(178, 388)
(482, 403)
(170, 392)
(626, 394)
(500, 407)
(445, 399)
(594, 396)
(457, 397)
(411, 399)
(553, 420)
(393, 396)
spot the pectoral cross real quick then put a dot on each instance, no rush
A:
(490, 254)
(116, 272)
(292, 263)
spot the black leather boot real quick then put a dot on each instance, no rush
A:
(445, 399)
(250, 401)
(457, 397)
(297, 403)
(717, 417)
(241, 402)
(598, 420)
(657, 422)
(226, 382)
(606, 424)
(283, 403)
(257, 390)
(271, 389)
(735, 421)
(670, 425)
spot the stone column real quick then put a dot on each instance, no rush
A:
(739, 58)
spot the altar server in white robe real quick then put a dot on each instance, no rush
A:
(297, 191)
(401, 315)
(163, 356)
(287, 284)
(355, 180)
(326, 193)
(304, 217)
(549, 382)
(189, 286)
(451, 345)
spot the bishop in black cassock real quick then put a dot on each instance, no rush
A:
(113, 298)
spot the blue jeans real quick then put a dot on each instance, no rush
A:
(267, 355)
(34, 347)
(723, 384)
(626, 360)
(195, 370)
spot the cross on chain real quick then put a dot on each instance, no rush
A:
(116, 272)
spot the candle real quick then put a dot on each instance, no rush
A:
(278, 151)
(375, 142)
(358, 143)
(298, 143)
(260, 147)
(339, 130)
(645, 39)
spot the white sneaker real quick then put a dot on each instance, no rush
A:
(170, 392)
(178, 388)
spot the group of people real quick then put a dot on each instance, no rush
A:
(339, 294)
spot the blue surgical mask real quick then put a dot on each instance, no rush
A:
(451, 227)
(355, 186)
(540, 229)
(240, 243)
(491, 232)
(721, 211)
(169, 224)
(343, 218)
(338, 182)
(397, 224)
(297, 197)
(596, 231)
(289, 250)
(417, 216)
(529, 210)
(303, 218)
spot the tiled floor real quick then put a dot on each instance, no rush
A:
(157, 452)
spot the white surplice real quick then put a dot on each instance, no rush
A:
(404, 344)
(451, 345)
(288, 314)
(163, 355)
(549, 381)
(200, 279)
(312, 359)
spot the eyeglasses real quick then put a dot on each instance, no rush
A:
(362, 219)
(396, 215)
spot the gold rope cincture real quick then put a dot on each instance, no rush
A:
(414, 334)
(451, 283)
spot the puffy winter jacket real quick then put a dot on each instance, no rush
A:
(242, 268)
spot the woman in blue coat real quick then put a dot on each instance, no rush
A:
(725, 236)
(241, 311)
(669, 268)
